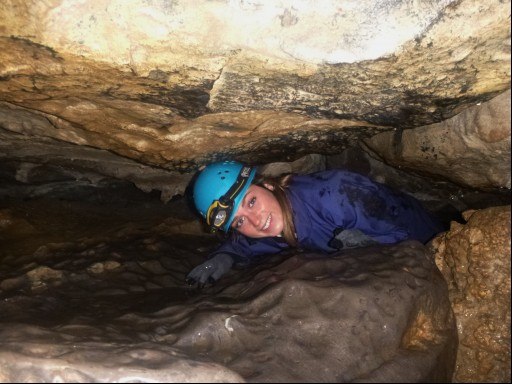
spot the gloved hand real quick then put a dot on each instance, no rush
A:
(350, 238)
(211, 270)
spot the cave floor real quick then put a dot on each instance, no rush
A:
(96, 253)
(104, 270)
(93, 260)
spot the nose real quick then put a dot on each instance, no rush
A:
(253, 218)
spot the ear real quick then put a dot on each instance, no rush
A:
(270, 187)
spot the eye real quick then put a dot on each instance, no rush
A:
(239, 222)
(251, 202)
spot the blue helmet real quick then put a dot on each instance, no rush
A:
(218, 191)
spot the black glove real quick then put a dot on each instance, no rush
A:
(350, 238)
(211, 270)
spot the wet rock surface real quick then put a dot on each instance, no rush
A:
(97, 97)
(150, 90)
(463, 148)
(475, 261)
(98, 304)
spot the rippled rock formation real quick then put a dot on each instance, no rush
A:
(113, 306)
(475, 261)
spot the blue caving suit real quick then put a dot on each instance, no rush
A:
(327, 202)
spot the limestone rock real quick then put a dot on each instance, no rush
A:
(98, 268)
(475, 261)
(471, 148)
(97, 92)
(388, 63)
(307, 164)
(377, 314)
(141, 80)
(424, 80)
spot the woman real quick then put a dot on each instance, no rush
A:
(324, 211)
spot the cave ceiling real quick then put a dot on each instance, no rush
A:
(150, 91)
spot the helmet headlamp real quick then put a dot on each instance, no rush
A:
(220, 210)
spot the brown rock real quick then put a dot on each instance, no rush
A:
(475, 261)
(472, 148)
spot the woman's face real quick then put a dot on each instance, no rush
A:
(259, 214)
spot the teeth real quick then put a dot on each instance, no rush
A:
(267, 223)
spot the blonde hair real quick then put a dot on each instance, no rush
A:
(278, 186)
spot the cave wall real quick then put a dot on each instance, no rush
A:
(471, 148)
(149, 91)
(475, 262)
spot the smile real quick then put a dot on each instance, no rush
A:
(267, 223)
